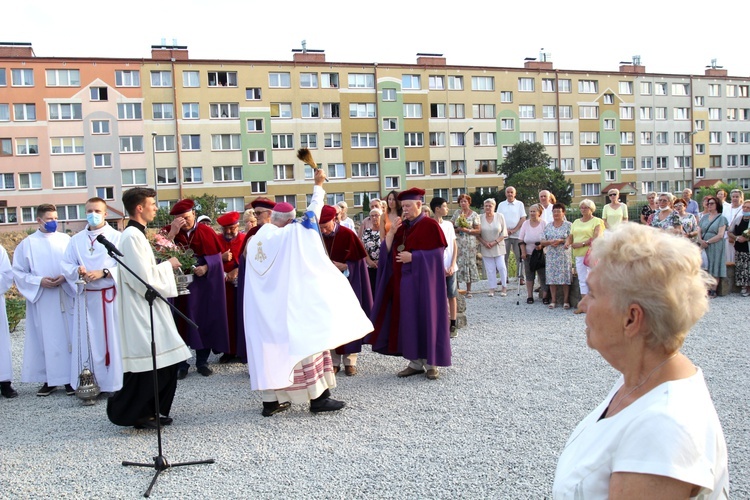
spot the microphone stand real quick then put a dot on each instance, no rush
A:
(160, 462)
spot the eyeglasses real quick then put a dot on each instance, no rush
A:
(612, 194)
(710, 203)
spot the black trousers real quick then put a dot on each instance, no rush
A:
(135, 401)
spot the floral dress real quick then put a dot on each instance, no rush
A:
(371, 241)
(558, 259)
(669, 222)
(467, 249)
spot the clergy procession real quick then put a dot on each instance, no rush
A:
(293, 298)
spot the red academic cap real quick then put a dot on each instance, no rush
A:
(229, 219)
(411, 194)
(182, 207)
(263, 203)
(283, 207)
(327, 214)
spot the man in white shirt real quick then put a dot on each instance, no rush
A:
(544, 201)
(515, 215)
(439, 208)
(344, 219)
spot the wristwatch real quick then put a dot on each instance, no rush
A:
(105, 272)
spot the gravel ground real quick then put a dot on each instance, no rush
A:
(491, 427)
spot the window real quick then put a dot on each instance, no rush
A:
(106, 193)
(455, 83)
(682, 162)
(660, 88)
(714, 89)
(660, 113)
(681, 89)
(7, 182)
(480, 111)
(359, 197)
(506, 96)
(506, 150)
(527, 137)
(700, 125)
(590, 189)
(256, 156)
(647, 163)
(436, 82)
(610, 150)
(566, 164)
(63, 78)
(714, 161)
(506, 124)
(414, 139)
(228, 174)
(566, 112)
(279, 80)
(485, 139)
(362, 110)
(229, 110)
(526, 84)
(190, 142)
(626, 87)
(27, 146)
(588, 86)
(190, 111)
(331, 110)
(258, 187)
(482, 83)
(283, 172)
(227, 142)
(337, 171)
(222, 78)
(589, 138)
(646, 113)
(163, 111)
(22, 77)
(238, 204)
(700, 149)
(609, 124)
(361, 81)
(100, 126)
(714, 114)
(743, 90)
(486, 166)
(166, 176)
(414, 168)
(700, 173)
(589, 164)
(308, 80)
(389, 94)
(191, 79)
(682, 137)
(252, 93)
(732, 138)
(332, 140)
(588, 112)
(392, 182)
(437, 110)
(390, 123)
(731, 160)
(310, 110)
(64, 111)
(457, 138)
(646, 88)
(127, 78)
(681, 113)
(626, 112)
(309, 141)
(663, 186)
(281, 110)
(609, 98)
(282, 141)
(412, 111)
(161, 78)
(8, 216)
(647, 138)
(662, 162)
(627, 163)
(164, 143)
(437, 139)
(437, 167)
(390, 153)
(744, 137)
(731, 114)
(662, 138)
(699, 101)
(647, 187)
(66, 145)
(4, 112)
(410, 82)
(364, 170)
(24, 112)
(566, 138)
(526, 111)
(364, 140)
(456, 111)
(610, 175)
(731, 90)
(102, 160)
(69, 179)
(133, 177)
(329, 80)
(627, 138)
(564, 85)
(549, 112)
(333, 198)
(455, 193)
(30, 180)
(548, 85)
(71, 212)
(550, 138)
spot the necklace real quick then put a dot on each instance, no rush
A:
(612, 409)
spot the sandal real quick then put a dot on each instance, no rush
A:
(566, 306)
(745, 292)
(530, 300)
(545, 301)
(491, 294)
(552, 306)
(469, 295)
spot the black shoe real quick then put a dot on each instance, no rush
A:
(146, 423)
(272, 408)
(69, 390)
(205, 370)
(181, 373)
(166, 420)
(545, 301)
(326, 404)
(46, 390)
(7, 390)
(227, 358)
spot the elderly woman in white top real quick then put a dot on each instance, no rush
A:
(492, 232)
(657, 434)
(531, 236)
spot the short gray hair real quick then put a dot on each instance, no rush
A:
(587, 203)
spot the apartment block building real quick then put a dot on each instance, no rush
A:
(72, 128)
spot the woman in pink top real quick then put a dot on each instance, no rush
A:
(531, 235)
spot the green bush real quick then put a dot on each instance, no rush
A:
(16, 312)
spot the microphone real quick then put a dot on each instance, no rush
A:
(108, 245)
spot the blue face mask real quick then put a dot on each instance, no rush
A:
(50, 226)
(94, 219)
(746, 214)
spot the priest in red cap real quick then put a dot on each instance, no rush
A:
(232, 241)
(410, 311)
(206, 290)
(347, 253)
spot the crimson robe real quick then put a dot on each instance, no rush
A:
(235, 246)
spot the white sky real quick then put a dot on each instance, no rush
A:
(671, 37)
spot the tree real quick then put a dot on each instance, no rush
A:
(210, 205)
(524, 155)
(477, 197)
(530, 181)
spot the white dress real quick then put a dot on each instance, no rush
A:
(6, 281)
(671, 431)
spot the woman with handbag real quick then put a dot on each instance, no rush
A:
(582, 233)
(532, 254)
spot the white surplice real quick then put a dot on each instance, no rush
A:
(296, 304)
(49, 311)
(6, 281)
(96, 301)
(135, 323)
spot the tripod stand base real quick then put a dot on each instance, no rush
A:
(161, 464)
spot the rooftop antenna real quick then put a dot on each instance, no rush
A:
(163, 42)
(636, 60)
(304, 46)
(174, 42)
